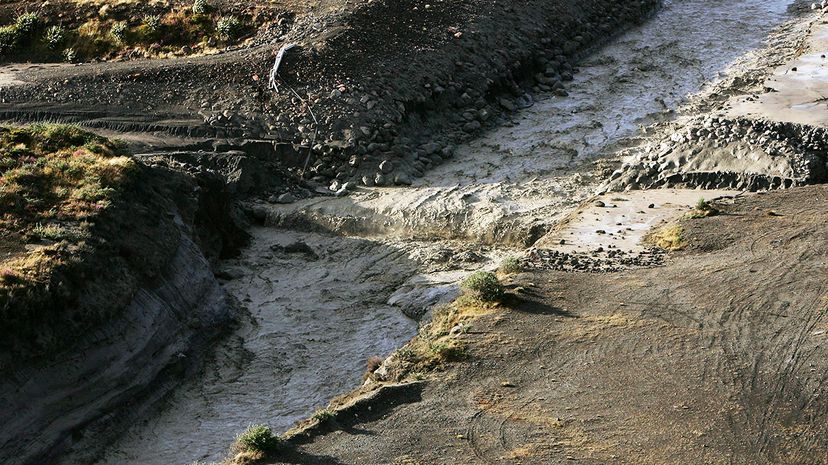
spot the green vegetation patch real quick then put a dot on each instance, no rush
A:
(484, 285)
(255, 442)
(54, 180)
(81, 35)
(56, 183)
(703, 209)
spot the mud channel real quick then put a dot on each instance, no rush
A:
(317, 306)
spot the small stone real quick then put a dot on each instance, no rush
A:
(368, 181)
(286, 198)
(652, 205)
(386, 167)
(600, 204)
(402, 179)
(471, 126)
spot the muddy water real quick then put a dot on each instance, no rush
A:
(312, 318)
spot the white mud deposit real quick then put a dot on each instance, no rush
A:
(800, 87)
(315, 317)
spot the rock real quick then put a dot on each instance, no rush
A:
(381, 180)
(350, 186)
(368, 181)
(335, 186)
(386, 167)
(471, 126)
(507, 104)
(342, 192)
(298, 247)
(431, 148)
(402, 179)
(600, 204)
(286, 198)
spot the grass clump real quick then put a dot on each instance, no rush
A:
(9, 38)
(511, 265)
(324, 416)
(27, 23)
(119, 30)
(228, 28)
(201, 7)
(703, 209)
(152, 23)
(669, 238)
(70, 55)
(54, 37)
(54, 179)
(484, 286)
(257, 439)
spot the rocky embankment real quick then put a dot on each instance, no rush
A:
(393, 86)
(132, 318)
(757, 130)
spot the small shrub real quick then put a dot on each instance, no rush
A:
(152, 23)
(447, 351)
(201, 7)
(511, 265)
(70, 55)
(27, 23)
(484, 285)
(407, 354)
(51, 232)
(324, 416)
(703, 209)
(55, 36)
(8, 39)
(119, 30)
(371, 366)
(257, 438)
(228, 28)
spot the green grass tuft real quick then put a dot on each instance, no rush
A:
(484, 285)
(257, 438)
(511, 265)
(228, 28)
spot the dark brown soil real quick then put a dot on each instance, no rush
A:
(719, 357)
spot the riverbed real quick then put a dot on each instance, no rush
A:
(315, 307)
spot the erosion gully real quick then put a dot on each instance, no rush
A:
(314, 313)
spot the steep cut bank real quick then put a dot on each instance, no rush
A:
(94, 342)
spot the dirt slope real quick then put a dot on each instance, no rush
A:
(718, 357)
